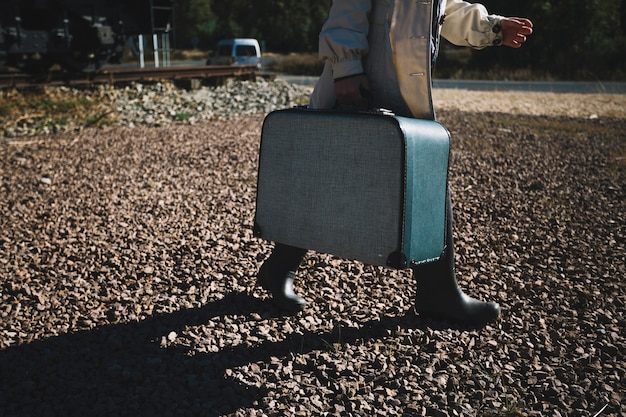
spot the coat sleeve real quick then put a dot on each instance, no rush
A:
(469, 24)
(343, 38)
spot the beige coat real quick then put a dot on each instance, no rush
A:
(390, 41)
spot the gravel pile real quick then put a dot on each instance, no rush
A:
(155, 104)
(127, 280)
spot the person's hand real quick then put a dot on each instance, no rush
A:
(349, 91)
(515, 30)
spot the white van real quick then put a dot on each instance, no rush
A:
(236, 52)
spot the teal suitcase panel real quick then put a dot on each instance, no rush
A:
(364, 186)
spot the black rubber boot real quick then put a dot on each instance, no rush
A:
(276, 276)
(438, 294)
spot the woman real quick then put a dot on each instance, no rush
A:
(380, 54)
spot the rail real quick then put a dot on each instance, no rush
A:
(112, 75)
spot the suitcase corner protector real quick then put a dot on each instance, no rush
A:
(397, 260)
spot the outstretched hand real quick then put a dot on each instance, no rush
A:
(515, 30)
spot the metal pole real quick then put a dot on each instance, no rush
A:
(155, 42)
(165, 43)
(142, 63)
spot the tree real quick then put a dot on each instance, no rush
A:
(573, 38)
(194, 19)
(283, 25)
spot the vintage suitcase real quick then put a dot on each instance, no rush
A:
(363, 186)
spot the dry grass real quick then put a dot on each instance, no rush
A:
(297, 64)
(52, 107)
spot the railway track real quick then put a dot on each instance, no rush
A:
(112, 75)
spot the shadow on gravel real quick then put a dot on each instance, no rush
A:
(123, 369)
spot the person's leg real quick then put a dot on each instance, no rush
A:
(438, 294)
(277, 273)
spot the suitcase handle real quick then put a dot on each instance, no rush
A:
(350, 109)
(380, 111)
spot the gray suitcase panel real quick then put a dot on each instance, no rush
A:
(335, 183)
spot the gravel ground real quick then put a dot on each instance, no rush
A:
(127, 278)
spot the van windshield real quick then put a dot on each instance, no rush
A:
(245, 50)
